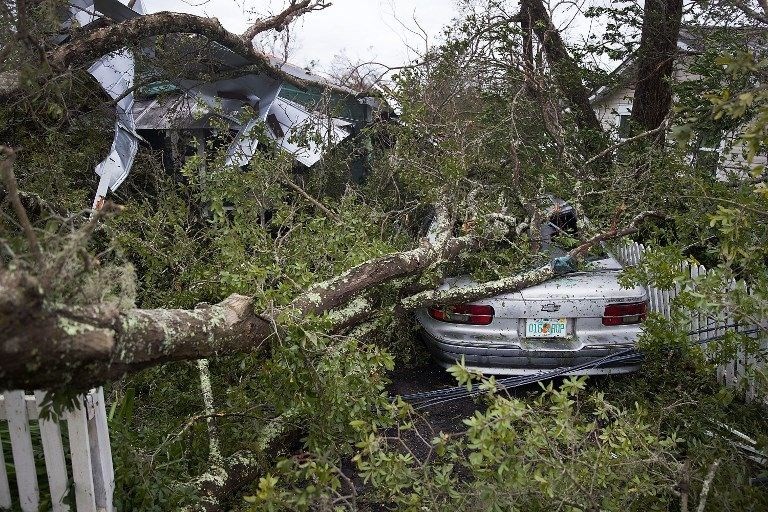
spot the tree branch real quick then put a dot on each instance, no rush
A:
(320, 206)
(517, 282)
(751, 13)
(705, 487)
(8, 156)
(614, 233)
(83, 346)
(607, 151)
(566, 72)
(279, 21)
(88, 47)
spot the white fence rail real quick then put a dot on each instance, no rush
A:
(703, 327)
(89, 474)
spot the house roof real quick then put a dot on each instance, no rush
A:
(693, 40)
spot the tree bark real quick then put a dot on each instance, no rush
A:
(44, 345)
(277, 22)
(655, 63)
(92, 45)
(103, 39)
(565, 70)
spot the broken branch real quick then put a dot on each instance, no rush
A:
(517, 282)
(320, 206)
(705, 487)
(615, 233)
(9, 179)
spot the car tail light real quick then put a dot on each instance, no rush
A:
(624, 314)
(472, 314)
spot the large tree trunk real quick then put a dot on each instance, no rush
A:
(655, 61)
(44, 345)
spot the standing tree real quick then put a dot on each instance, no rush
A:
(655, 63)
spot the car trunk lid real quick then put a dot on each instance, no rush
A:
(577, 295)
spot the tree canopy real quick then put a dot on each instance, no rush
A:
(293, 288)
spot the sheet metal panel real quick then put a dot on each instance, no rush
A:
(115, 72)
(303, 131)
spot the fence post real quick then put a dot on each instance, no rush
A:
(21, 448)
(53, 450)
(80, 450)
(5, 489)
(101, 453)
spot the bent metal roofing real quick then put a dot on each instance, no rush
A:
(203, 99)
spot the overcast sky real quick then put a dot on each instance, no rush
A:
(363, 30)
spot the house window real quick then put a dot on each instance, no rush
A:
(624, 128)
(706, 156)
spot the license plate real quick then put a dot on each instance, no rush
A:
(545, 327)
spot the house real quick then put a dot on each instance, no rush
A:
(304, 121)
(715, 146)
(303, 113)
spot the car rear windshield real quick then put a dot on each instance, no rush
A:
(560, 234)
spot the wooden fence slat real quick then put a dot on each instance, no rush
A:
(651, 298)
(5, 488)
(750, 362)
(21, 448)
(659, 301)
(31, 408)
(80, 452)
(101, 453)
(693, 271)
(703, 321)
(55, 464)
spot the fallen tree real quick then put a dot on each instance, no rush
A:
(48, 345)
(446, 146)
(105, 36)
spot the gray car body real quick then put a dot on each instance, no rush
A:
(501, 347)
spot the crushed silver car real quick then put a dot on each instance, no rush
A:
(562, 323)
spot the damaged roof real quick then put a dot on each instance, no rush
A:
(692, 40)
(285, 97)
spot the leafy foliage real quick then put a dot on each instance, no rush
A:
(487, 136)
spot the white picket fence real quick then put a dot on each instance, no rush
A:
(703, 327)
(90, 458)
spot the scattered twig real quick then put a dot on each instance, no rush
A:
(320, 206)
(639, 136)
(615, 232)
(685, 486)
(278, 22)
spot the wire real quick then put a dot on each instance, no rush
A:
(628, 357)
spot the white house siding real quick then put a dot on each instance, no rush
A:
(609, 106)
(616, 103)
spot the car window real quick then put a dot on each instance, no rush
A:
(559, 235)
